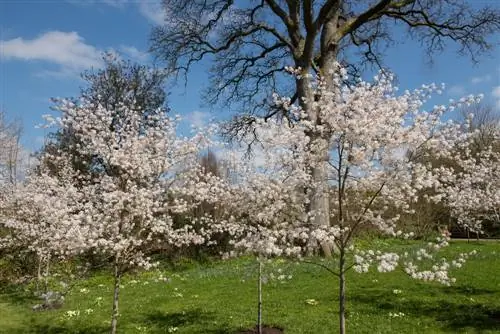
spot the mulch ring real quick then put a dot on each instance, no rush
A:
(265, 330)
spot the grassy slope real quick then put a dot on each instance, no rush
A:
(221, 298)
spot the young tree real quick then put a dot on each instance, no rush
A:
(473, 192)
(366, 131)
(141, 177)
(478, 169)
(482, 124)
(251, 44)
(266, 206)
(41, 216)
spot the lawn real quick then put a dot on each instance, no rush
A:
(301, 298)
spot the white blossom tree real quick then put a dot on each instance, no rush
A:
(41, 216)
(141, 175)
(473, 192)
(371, 135)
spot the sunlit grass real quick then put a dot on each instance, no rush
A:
(301, 298)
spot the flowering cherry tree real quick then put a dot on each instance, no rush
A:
(473, 192)
(141, 175)
(41, 216)
(372, 136)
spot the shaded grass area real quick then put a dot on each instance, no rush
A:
(221, 298)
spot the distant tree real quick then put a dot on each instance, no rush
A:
(482, 122)
(478, 180)
(210, 164)
(11, 151)
(120, 83)
(124, 82)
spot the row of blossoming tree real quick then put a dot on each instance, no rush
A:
(142, 175)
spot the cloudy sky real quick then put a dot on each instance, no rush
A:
(44, 45)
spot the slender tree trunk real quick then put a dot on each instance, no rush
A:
(114, 316)
(39, 274)
(342, 292)
(47, 273)
(259, 311)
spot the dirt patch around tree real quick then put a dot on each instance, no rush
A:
(265, 330)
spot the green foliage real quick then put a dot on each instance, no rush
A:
(220, 297)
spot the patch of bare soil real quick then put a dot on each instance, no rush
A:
(265, 330)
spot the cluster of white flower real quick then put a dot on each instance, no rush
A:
(364, 259)
(396, 314)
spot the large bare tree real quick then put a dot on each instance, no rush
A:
(249, 44)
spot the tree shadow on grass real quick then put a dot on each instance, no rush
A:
(161, 322)
(468, 290)
(16, 294)
(451, 315)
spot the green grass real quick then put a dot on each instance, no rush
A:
(221, 298)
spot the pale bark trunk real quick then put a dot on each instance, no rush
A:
(47, 272)
(342, 292)
(39, 275)
(319, 201)
(114, 316)
(259, 311)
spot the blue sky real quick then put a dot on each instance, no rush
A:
(44, 45)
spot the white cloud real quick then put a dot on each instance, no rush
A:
(457, 90)
(153, 11)
(67, 50)
(135, 54)
(480, 79)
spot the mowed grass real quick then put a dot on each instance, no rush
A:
(222, 297)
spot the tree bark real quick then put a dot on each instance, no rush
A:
(114, 316)
(47, 272)
(39, 274)
(259, 311)
(319, 201)
(342, 291)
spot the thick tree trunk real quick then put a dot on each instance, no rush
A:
(114, 316)
(319, 201)
(342, 292)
